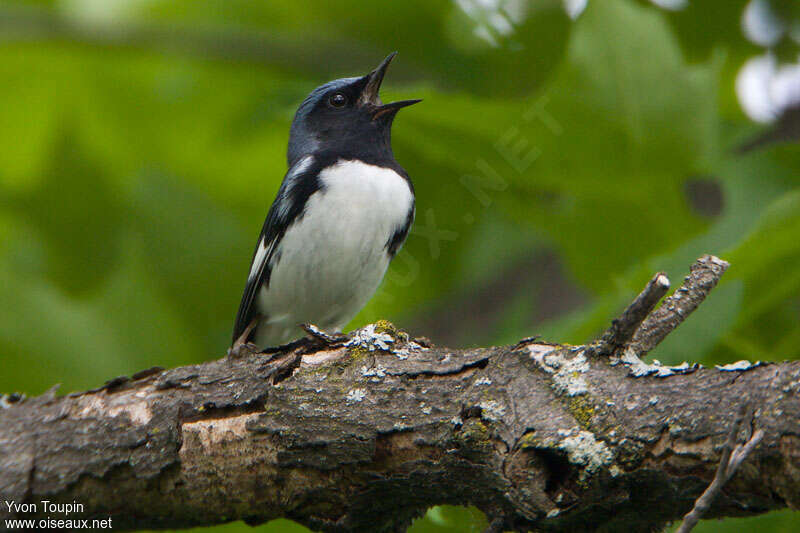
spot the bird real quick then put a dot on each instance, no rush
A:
(341, 214)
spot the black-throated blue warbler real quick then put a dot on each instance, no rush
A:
(343, 211)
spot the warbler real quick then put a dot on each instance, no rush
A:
(343, 211)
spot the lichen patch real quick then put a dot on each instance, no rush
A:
(739, 366)
(370, 339)
(378, 371)
(355, 395)
(407, 349)
(567, 370)
(492, 410)
(382, 336)
(639, 368)
(585, 450)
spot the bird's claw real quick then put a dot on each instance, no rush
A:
(314, 340)
(244, 349)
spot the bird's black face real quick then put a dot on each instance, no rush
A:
(346, 117)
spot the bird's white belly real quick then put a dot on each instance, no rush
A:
(332, 259)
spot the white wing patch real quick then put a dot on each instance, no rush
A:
(283, 209)
(302, 165)
(283, 202)
(258, 260)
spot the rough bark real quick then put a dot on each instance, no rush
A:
(366, 436)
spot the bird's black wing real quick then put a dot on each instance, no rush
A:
(300, 182)
(397, 238)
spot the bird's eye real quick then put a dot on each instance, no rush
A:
(337, 100)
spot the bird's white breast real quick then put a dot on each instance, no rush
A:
(367, 194)
(333, 257)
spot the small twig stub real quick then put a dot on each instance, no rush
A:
(704, 275)
(623, 328)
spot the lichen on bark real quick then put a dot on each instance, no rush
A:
(366, 436)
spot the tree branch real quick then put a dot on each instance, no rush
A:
(703, 276)
(366, 436)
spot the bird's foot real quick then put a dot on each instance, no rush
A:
(315, 340)
(323, 339)
(241, 346)
(243, 349)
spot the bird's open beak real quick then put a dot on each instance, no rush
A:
(370, 96)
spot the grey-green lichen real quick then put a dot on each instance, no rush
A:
(639, 368)
(357, 352)
(384, 326)
(492, 410)
(375, 373)
(381, 336)
(739, 366)
(567, 367)
(475, 434)
(583, 449)
(369, 339)
(582, 409)
(355, 395)
(531, 440)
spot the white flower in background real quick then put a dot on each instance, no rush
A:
(766, 89)
(494, 18)
(672, 5)
(574, 7)
(761, 25)
(752, 87)
(785, 88)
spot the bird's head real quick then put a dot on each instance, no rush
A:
(345, 117)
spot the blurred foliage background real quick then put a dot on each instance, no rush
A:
(565, 151)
